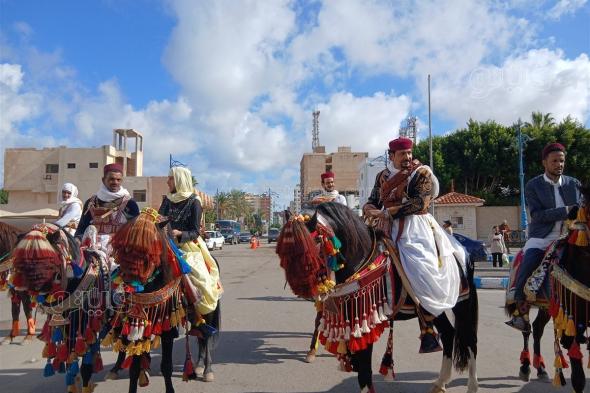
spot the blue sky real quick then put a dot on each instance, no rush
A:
(228, 87)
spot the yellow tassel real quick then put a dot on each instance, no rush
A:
(342, 347)
(556, 380)
(130, 349)
(108, 340)
(147, 346)
(559, 317)
(570, 328)
(156, 342)
(118, 346)
(182, 312)
(582, 239)
(557, 363)
(173, 321)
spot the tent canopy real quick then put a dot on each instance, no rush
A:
(39, 213)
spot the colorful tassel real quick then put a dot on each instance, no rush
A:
(342, 349)
(188, 370)
(156, 342)
(570, 329)
(62, 352)
(574, 351)
(127, 362)
(125, 330)
(564, 362)
(48, 371)
(538, 361)
(97, 365)
(80, 346)
(166, 325)
(365, 326)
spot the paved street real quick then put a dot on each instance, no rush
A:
(266, 333)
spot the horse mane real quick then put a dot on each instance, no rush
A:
(140, 247)
(8, 237)
(350, 229)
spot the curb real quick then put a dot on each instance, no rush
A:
(490, 282)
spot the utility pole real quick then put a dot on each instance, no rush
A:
(430, 140)
(217, 204)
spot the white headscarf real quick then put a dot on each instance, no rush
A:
(183, 183)
(73, 190)
(108, 196)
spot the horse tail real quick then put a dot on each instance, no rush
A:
(466, 319)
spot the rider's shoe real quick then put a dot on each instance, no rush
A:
(519, 323)
(429, 343)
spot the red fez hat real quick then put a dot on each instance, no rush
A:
(115, 167)
(327, 175)
(551, 147)
(400, 143)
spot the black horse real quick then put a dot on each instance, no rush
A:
(358, 242)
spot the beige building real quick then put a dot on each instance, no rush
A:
(260, 204)
(344, 163)
(461, 210)
(33, 177)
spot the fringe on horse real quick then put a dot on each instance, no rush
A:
(35, 261)
(300, 258)
(138, 248)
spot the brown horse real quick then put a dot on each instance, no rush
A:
(302, 261)
(570, 297)
(9, 236)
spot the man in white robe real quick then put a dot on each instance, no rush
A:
(330, 194)
(401, 197)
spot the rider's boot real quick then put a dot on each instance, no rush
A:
(520, 317)
(428, 338)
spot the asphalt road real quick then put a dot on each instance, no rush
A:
(266, 334)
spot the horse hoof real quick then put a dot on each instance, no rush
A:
(208, 377)
(438, 389)
(525, 377)
(199, 370)
(310, 357)
(543, 376)
(111, 375)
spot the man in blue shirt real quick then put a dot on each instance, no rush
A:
(550, 197)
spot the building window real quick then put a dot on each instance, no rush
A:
(71, 165)
(139, 195)
(93, 165)
(51, 168)
(457, 222)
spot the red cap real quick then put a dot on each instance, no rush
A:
(400, 143)
(551, 147)
(327, 175)
(115, 167)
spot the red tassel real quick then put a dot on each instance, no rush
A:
(147, 330)
(62, 352)
(383, 370)
(157, 329)
(55, 363)
(126, 329)
(553, 308)
(127, 362)
(97, 364)
(45, 332)
(564, 363)
(80, 346)
(574, 351)
(51, 350)
(353, 344)
(95, 323)
(188, 369)
(538, 361)
(89, 336)
(166, 325)
(525, 356)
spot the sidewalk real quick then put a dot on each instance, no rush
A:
(488, 277)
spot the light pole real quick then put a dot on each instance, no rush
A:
(523, 217)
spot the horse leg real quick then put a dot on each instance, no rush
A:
(524, 372)
(86, 373)
(447, 334)
(166, 364)
(114, 373)
(134, 374)
(310, 357)
(208, 375)
(572, 344)
(361, 362)
(538, 328)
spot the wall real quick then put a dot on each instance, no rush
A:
(488, 216)
(442, 213)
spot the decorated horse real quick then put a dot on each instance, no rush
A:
(570, 297)
(9, 236)
(540, 301)
(370, 292)
(153, 298)
(71, 287)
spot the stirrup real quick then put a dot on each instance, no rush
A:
(429, 343)
(519, 323)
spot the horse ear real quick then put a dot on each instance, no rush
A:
(54, 237)
(287, 215)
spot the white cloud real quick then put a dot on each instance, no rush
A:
(537, 80)
(565, 7)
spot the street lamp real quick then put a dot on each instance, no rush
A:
(522, 139)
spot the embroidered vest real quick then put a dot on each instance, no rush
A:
(108, 217)
(393, 190)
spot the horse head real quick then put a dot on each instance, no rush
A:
(44, 256)
(140, 247)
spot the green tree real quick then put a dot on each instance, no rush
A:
(3, 197)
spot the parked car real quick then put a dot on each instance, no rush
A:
(244, 237)
(214, 239)
(476, 248)
(273, 235)
(230, 236)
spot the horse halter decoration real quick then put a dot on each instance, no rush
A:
(43, 265)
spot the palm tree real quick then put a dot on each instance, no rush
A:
(222, 202)
(540, 122)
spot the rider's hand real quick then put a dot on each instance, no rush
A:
(176, 233)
